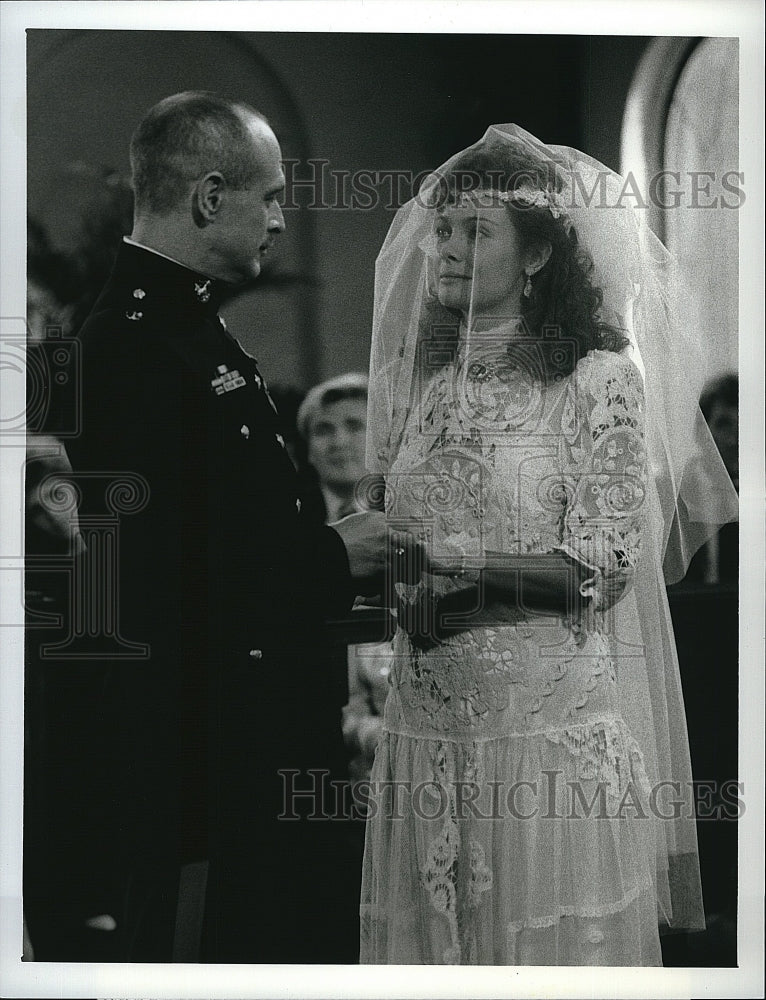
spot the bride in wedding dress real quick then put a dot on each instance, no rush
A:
(533, 406)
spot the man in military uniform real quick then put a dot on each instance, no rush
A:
(218, 573)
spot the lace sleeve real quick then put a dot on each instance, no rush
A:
(603, 441)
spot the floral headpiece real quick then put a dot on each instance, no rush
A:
(528, 197)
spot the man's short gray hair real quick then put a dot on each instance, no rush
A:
(351, 385)
(184, 137)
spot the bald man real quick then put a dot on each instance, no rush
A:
(218, 573)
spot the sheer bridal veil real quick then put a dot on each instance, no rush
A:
(643, 298)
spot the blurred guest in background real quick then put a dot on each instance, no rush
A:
(705, 614)
(64, 877)
(332, 421)
(332, 424)
(717, 562)
(720, 405)
(51, 284)
(369, 667)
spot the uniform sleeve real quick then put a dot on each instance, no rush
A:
(333, 585)
(141, 424)
(605, 459)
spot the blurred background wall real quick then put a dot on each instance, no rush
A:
(357, 101)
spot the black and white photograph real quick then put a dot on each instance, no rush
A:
(382, 447)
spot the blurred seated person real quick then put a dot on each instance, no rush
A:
(52, 286)
(332, 421)
(51, 525)
(369, 667)
(717, 561)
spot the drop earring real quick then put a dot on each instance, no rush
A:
(528, 285)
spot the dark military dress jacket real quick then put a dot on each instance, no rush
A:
(237, 698)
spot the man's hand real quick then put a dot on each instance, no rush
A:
(365, 536)
(376, 553)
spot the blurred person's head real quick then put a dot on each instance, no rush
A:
(52, 284)
(332, 420)
(720, 406)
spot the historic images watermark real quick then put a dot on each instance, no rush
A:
(314, 796)
(316, 185)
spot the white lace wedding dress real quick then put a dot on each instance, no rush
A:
(511, 821)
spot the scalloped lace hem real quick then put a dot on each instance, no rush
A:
(581, 912)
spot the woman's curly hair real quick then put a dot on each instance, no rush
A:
(563, 296)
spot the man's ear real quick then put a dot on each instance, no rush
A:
(538, 257)
(208, 197)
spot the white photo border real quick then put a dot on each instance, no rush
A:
(744, 20)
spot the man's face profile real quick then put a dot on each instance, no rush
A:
(251, 218)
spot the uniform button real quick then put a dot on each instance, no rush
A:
(244, 431)
(256, 654)
(138, 293)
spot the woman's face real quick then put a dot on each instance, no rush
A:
(480, 267)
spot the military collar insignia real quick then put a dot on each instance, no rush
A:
(151, 280)
(202, 290)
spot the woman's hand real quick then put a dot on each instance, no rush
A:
(507, 589)
(428, 617)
